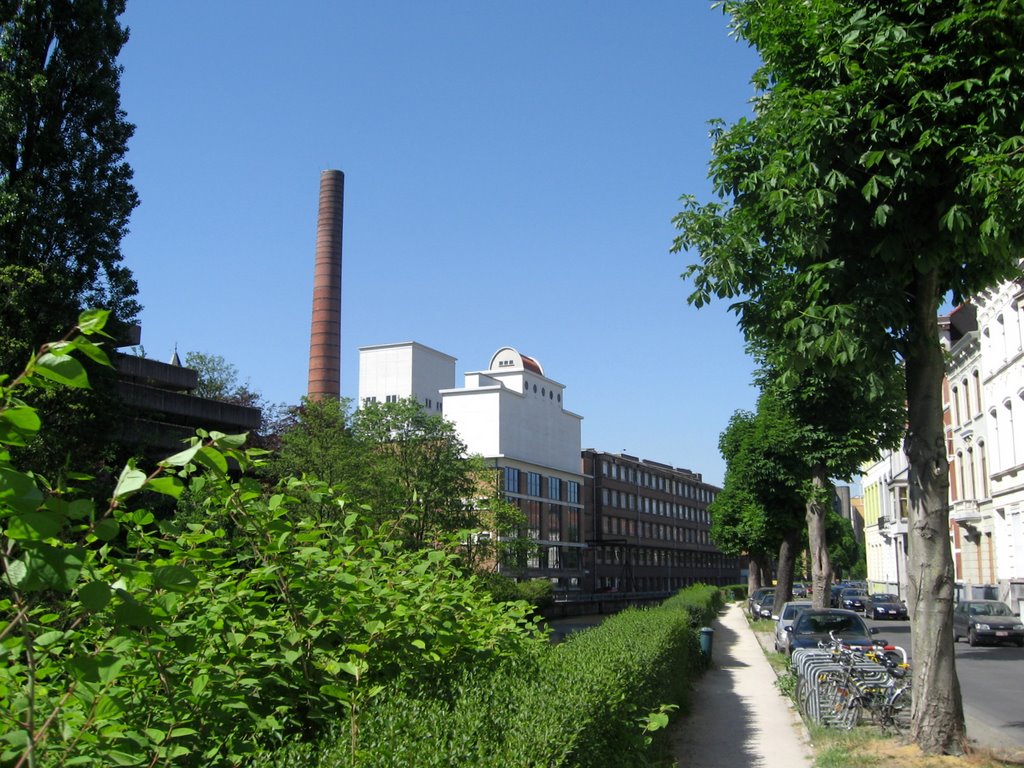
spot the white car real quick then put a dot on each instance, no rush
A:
(787, 616)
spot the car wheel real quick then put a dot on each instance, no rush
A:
(972, 637)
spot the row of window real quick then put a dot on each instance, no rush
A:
(657, 482)
(557, 489)
(550, 394)
(623, 500)
(621, 526)
(649, 556)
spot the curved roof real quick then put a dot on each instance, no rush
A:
(509, 359)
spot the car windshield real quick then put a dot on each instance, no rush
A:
(792, 610)
(883, 598)
(823, 623)
(990, 609)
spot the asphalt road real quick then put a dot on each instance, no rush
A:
(991, 683)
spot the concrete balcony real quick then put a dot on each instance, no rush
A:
(966, 511)
(890, 528)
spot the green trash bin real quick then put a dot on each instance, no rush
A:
(707, 636)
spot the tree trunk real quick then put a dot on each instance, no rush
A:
(753, 574)
(789, 550)
(817, 542)
(937, 724)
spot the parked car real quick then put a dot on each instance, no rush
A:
(852, 599)
(884, 605)
(813, 626)
(754, 598)
(837, 590)
(787, 615)
(763, 607)
(799, 591)
(989, 621)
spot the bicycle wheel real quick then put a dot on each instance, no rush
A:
(896, 712)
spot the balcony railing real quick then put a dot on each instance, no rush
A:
(966, 511)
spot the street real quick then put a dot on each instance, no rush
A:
(991, 681)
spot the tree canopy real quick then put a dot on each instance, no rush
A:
(881, 171)
(65, 186)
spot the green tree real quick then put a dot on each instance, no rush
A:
(760, 509)
(65, 187)
(881, 171)
(417, 469)
(65, 199)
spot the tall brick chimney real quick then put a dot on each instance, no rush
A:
(325, 334)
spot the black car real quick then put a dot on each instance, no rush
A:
(814, 625)
(755, 598)
(852, 600)
(989, 621)
(885, 606)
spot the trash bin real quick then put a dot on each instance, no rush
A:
(707, 636)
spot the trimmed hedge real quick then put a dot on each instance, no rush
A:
(581, 703)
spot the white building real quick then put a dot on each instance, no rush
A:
(984, 424)
(513, 415)
(884, 485)
(970, 504)
(392, 372)
(1001, 328)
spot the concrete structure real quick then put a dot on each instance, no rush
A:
(325, 331)
(392, 372)
(164, 412)
(649, 527)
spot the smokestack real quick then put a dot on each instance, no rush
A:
(325, 334)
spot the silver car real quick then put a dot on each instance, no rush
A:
(787, 616)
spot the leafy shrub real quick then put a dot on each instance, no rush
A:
(136, 641)
(592, 700)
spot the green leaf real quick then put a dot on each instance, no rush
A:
(133, 614)
(17, 424)
(50, 567)
(93, 321)
(213, 459)
(93, 352)
(107, 529)
(19, 491)
(131, 480)
(94, 596)
(34, 526)
(174, 578)
(167, 485)
(182, 458)
(62, 369)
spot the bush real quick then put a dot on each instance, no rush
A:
(130, 640)
(593, 700)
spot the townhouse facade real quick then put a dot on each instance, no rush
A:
(983, 412)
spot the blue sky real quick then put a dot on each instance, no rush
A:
(511, 171)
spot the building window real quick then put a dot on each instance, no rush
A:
(511, 480)
(554, 489)
(533, 484)
(572, 489)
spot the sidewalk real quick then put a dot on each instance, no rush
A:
(738, 717)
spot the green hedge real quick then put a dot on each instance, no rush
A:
(583, 702)
(736, 591)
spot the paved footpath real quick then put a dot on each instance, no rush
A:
(738, 716)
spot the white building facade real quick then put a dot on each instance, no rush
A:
(514, 416)
(1001, 328)
(983, 398)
